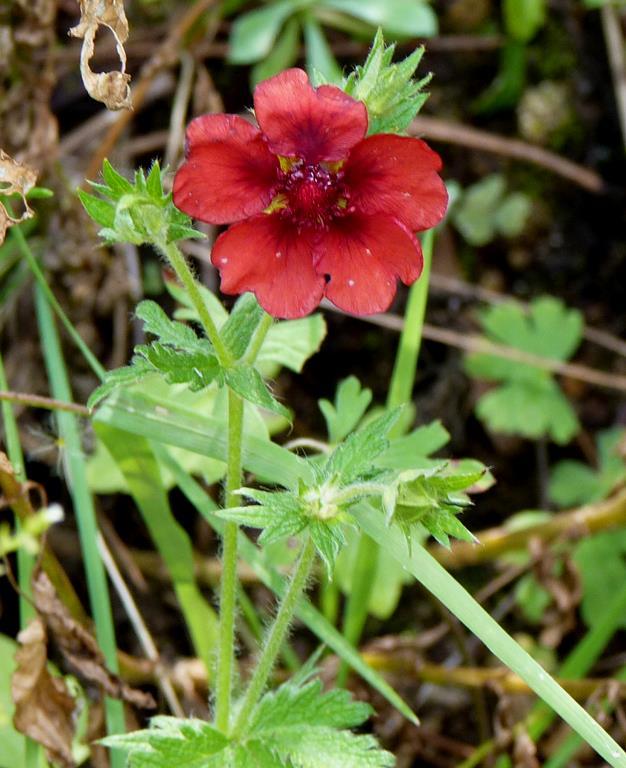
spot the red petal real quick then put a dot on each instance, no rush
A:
(312, 124)
(267, 255)
(229, 173)
(363, 256)
(397, 175)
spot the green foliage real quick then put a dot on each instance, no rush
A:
(391, 95)
(528, 401)
(29, 533)
(269, 36)
(601, 560)
(432, 499)
(506, 88)
(351, 402)
(137, 212)
(486, 211)
(397, 18)
(295, 726)
(573, 482)
(180, 356)
(523, 18)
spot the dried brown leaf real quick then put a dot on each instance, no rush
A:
(79, 647)
(43, 705)
(111, 88)
(15, 179)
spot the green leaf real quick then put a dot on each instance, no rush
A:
(171, 742)
(512, 215)
(117, 183)
(523, 18)
(299, 725)
(196, 369)
(572, 482)
(353, 458)
(601, 560)
(391, 95)
(156, 322)
(529, 402)
(475, 215)
(248, 382)
(505, 90)
(351, 402)
(412, 451)
(329, 539)
(283, 54)
(319, 57)
(398, 18)
(117, 378)
(101, 211)
(292, 342)
(254, 34)
(239, 328)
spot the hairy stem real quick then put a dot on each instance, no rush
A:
(276, 636)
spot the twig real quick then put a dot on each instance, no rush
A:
(38, 401)
(478, 344)
(494, 542)
(179, 109)
(617, 60)
(453, 133)
(475, 677)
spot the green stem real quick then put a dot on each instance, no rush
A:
(185, 275)
(228, 584)
(83, 506)
(17, 234)
(257, 340)
(276, 636)
(405, 366)
(400, 391)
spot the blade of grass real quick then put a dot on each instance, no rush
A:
(76, 476)
(400, 392)
(446, 589)
(33, 755)
(136, 461)
(18, 236)
(262, 566)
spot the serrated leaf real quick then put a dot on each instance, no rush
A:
(299, 725)
(101, 211)
(240, 326)
(601, 560)
(117, 378)
(351, 402)
(117, 184)
(328, 538)
(197, 369)
(412, 451)
(171, 742)
(355, 456)
(247, 382)
(168, 331)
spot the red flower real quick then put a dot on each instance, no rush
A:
(317, 209)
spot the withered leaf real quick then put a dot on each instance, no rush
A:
(43, 705)
(111, 88)
(15, 179)
(79, 647)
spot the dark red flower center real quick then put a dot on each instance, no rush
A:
(313, 194)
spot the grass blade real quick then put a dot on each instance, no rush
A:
(76, 477)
